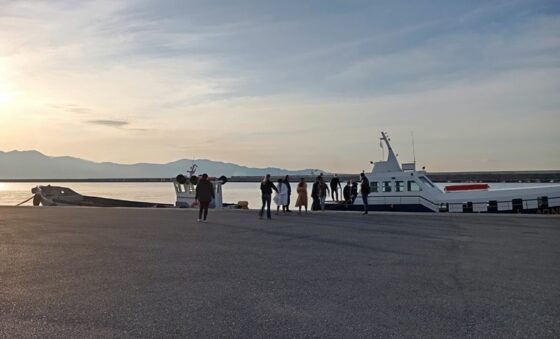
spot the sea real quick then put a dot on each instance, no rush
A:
(12, 194)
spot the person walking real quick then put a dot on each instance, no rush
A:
(301, 195)
(315, 206)
(365, 189)
(335, 184)
(323, 192)
(267, 186)
(204, 195)
(281, 197)
(287, 183)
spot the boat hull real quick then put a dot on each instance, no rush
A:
(63, 196)
(423, 209)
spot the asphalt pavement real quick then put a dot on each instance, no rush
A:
(155, 273)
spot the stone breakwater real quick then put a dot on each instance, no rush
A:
(490, 176)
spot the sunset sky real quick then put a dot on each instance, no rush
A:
(294, 84)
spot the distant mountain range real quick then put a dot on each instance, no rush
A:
(35, 165)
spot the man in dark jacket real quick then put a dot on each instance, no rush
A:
(267, 186)
(365, 191)
(323, 192)
(346, 193)
(335, 184)
(354, 192)
(204, 195)
(315, 206)
(287, 183)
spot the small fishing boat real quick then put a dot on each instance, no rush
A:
(185, 189)
(402, 188)
(63, 196)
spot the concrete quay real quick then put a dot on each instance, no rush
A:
(156, 273)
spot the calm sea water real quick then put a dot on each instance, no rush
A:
(14, 193)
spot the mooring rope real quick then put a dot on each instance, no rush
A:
(23, 202)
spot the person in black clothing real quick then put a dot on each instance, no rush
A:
(315, 205)
(346, 193)
(354, 192)
(287, 183)
(266, 194)
(335, 184)
(204, 194)
(365, 189)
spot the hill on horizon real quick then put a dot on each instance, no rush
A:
(35, 165)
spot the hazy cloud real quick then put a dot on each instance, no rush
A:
(71, 108)
(111, 123)
(290, 84)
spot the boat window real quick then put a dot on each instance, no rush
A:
(399, 186)
(374, 185)
(413, 186)
(467, 207)
(387, 186)
(426, 181)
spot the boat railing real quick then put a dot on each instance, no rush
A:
(461, 203)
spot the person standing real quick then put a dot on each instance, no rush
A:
(266, 194)
(323, 192)
(346, 193)
(287, 183)
(204, 195)
(301, 195)
(281, 197)
(315, 206)
(335, 184)
(365, 189)
(354, 192)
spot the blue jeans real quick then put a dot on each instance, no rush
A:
(364, 199)
(266, 199)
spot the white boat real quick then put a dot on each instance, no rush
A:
(403, 188)
(185, 189)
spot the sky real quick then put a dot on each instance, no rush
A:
(292, 84)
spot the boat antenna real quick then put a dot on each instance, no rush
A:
(413, 149)
(192, 169)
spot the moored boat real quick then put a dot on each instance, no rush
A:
(403, 188)
(185, 189)
(63, 196)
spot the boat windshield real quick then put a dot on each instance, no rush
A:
(426, 181)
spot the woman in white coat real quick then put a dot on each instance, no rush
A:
(281, 197)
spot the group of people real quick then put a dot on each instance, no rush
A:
(319, 193)
(283, 192)
(282, 197)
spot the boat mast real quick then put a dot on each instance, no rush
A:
(413, 150)
(192, 169)
(391, 156)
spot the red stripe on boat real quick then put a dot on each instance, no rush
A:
(466, 187)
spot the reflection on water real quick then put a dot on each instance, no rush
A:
(14, 193)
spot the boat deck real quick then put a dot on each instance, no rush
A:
(121, 272)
